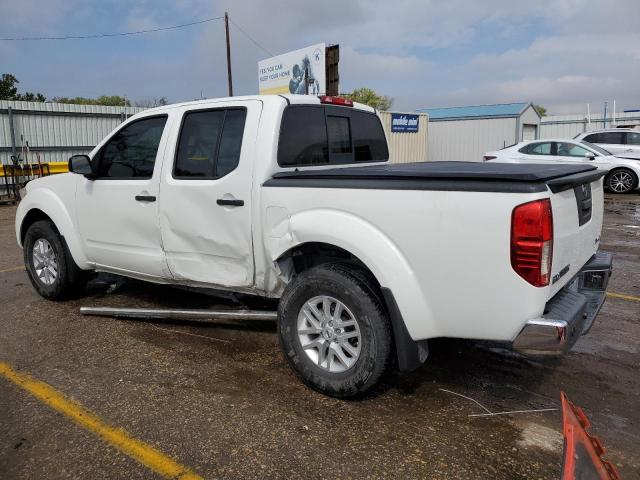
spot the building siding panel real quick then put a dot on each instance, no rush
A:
(468, 140)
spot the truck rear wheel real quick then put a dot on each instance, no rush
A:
(334, 331)
(50, 267)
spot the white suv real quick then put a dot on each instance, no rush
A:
(622, 142)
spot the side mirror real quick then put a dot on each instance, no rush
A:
(590, 156)
(81, 164)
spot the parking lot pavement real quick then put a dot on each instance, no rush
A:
(219, 399)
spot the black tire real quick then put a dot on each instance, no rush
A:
(70, 279)
(615, 180)
(350, 287)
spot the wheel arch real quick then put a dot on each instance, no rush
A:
(42, 204)
(301, 256)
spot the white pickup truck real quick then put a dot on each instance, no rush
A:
(293, 197)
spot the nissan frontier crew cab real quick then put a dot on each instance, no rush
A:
(294, 198)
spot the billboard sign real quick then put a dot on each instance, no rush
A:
(405, 122)
(286, 73)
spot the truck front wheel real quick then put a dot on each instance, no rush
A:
(50, 267)
(334, 331)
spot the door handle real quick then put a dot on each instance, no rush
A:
(230, 202)
(145, 198)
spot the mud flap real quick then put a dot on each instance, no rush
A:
(411, 354)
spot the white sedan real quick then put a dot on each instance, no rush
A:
(623, 172)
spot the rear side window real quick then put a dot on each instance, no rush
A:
(321, 135)
(615, 138)
(209, 144)
(542, 148)
(131, 152)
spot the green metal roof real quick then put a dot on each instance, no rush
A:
(476, 111)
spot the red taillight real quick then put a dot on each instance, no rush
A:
(532, 241)
(345, 102)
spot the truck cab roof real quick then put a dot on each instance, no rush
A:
(288, 98)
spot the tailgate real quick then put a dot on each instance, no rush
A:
(577, 224)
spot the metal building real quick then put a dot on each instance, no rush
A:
(409, 145)
(55, 131)
(466, 133)
(568, 126)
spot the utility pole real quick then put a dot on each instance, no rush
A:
(226, 29)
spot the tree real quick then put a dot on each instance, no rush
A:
(541, 110)
(106, 100)
(31, 97)
(9, 90)
(151, 102)
(369, 97)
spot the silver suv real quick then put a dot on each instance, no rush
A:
(622, 142)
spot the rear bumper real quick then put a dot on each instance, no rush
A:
(570, 313)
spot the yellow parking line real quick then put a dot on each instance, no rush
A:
(13, 269)
(117, 437)
(631, 298)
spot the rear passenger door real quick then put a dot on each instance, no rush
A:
(205, 201)
(632, 145)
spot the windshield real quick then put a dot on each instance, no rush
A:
(598, 149)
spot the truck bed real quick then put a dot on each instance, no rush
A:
(446, 176)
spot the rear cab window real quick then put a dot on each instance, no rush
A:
(329, 135)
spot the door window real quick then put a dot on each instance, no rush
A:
(131, 152)
(210, 143)
(633, 138)
(572, 150)
(606, 137)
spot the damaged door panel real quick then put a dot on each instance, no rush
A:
(205, 206)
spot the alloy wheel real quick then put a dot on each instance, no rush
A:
(329, 334)
(621, 182)
(45, 262)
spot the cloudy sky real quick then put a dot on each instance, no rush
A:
(559, 53)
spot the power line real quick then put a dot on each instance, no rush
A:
(121, 34)
(255, 42)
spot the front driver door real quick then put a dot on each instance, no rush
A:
(118, 210)
(206, 195)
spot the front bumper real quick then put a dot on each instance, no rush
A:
(570, 313)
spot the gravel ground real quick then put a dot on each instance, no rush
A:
(220, 399)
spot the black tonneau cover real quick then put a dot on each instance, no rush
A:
(449, 176)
